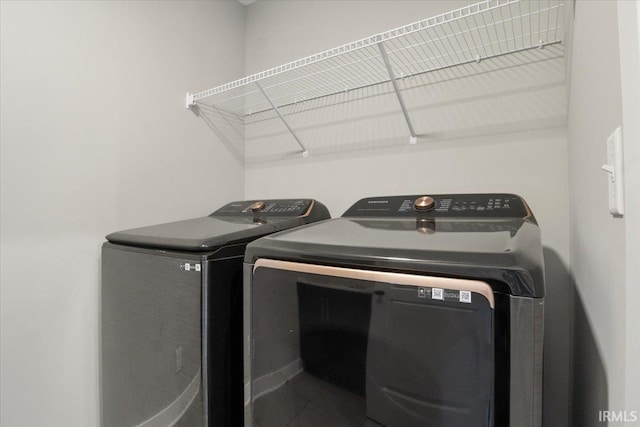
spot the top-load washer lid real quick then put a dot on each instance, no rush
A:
(493, 237)
(236, 222)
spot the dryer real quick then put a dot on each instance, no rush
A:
(171, 314)
(408, 311)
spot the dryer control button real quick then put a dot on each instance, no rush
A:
(424, 203)
(257, 206)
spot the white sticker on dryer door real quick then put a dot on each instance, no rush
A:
(465, 296)
(437, 293)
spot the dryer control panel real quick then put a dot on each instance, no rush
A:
(499, 205)
(266, 208)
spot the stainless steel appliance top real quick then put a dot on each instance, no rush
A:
(236, 222)
(492, 237)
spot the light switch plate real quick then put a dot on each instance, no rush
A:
(614, 168)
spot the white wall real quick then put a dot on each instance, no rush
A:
(496, 131)
(629, 37)
(95, 138)
(597, 239)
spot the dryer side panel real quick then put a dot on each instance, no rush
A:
(151, 340)
(527, 338)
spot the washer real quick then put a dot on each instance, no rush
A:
(406, 311)
(171, 314)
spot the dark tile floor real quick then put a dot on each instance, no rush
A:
(305, 401)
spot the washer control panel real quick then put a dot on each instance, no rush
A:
(442, 206)
(266, 208)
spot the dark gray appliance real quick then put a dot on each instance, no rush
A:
(408, 311)
(171, 314)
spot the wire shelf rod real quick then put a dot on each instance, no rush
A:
(471, 61)
(477, 28)
(449, 37)
(371, 70)
(513, 31)
(444, 67)
(340, 84)
(277, 110)
(521, 20)
(475, 60)
(403, 107)
(438, 43)
(433, 55)
(534, 46)
(423, 52)
(343, 83)
(502, 21)
(463, 32)
(530, 24)
(494, 26)
(335, 74)
(555, 36)
(432, 22)
(303, 95)
(294, 80)
(484, 30)
(549, 22)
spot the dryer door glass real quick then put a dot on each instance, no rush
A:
(346, 347)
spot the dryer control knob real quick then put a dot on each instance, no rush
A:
(257, 206)
(424, 203)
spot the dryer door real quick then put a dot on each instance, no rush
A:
(339, 346)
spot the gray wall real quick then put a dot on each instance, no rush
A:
(95, 138)
(629, 37)
(491, 131)
(597, 239)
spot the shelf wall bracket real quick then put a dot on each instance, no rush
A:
(413, 138)
(190, 102)
(305, 152)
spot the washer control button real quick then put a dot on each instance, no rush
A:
(424, 203)
(257, 206)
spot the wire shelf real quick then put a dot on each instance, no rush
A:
(480, 31)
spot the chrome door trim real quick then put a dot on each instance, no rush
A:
(475, 286)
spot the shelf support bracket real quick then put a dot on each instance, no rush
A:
(305, 152)
(413, 138)
(189, 100)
